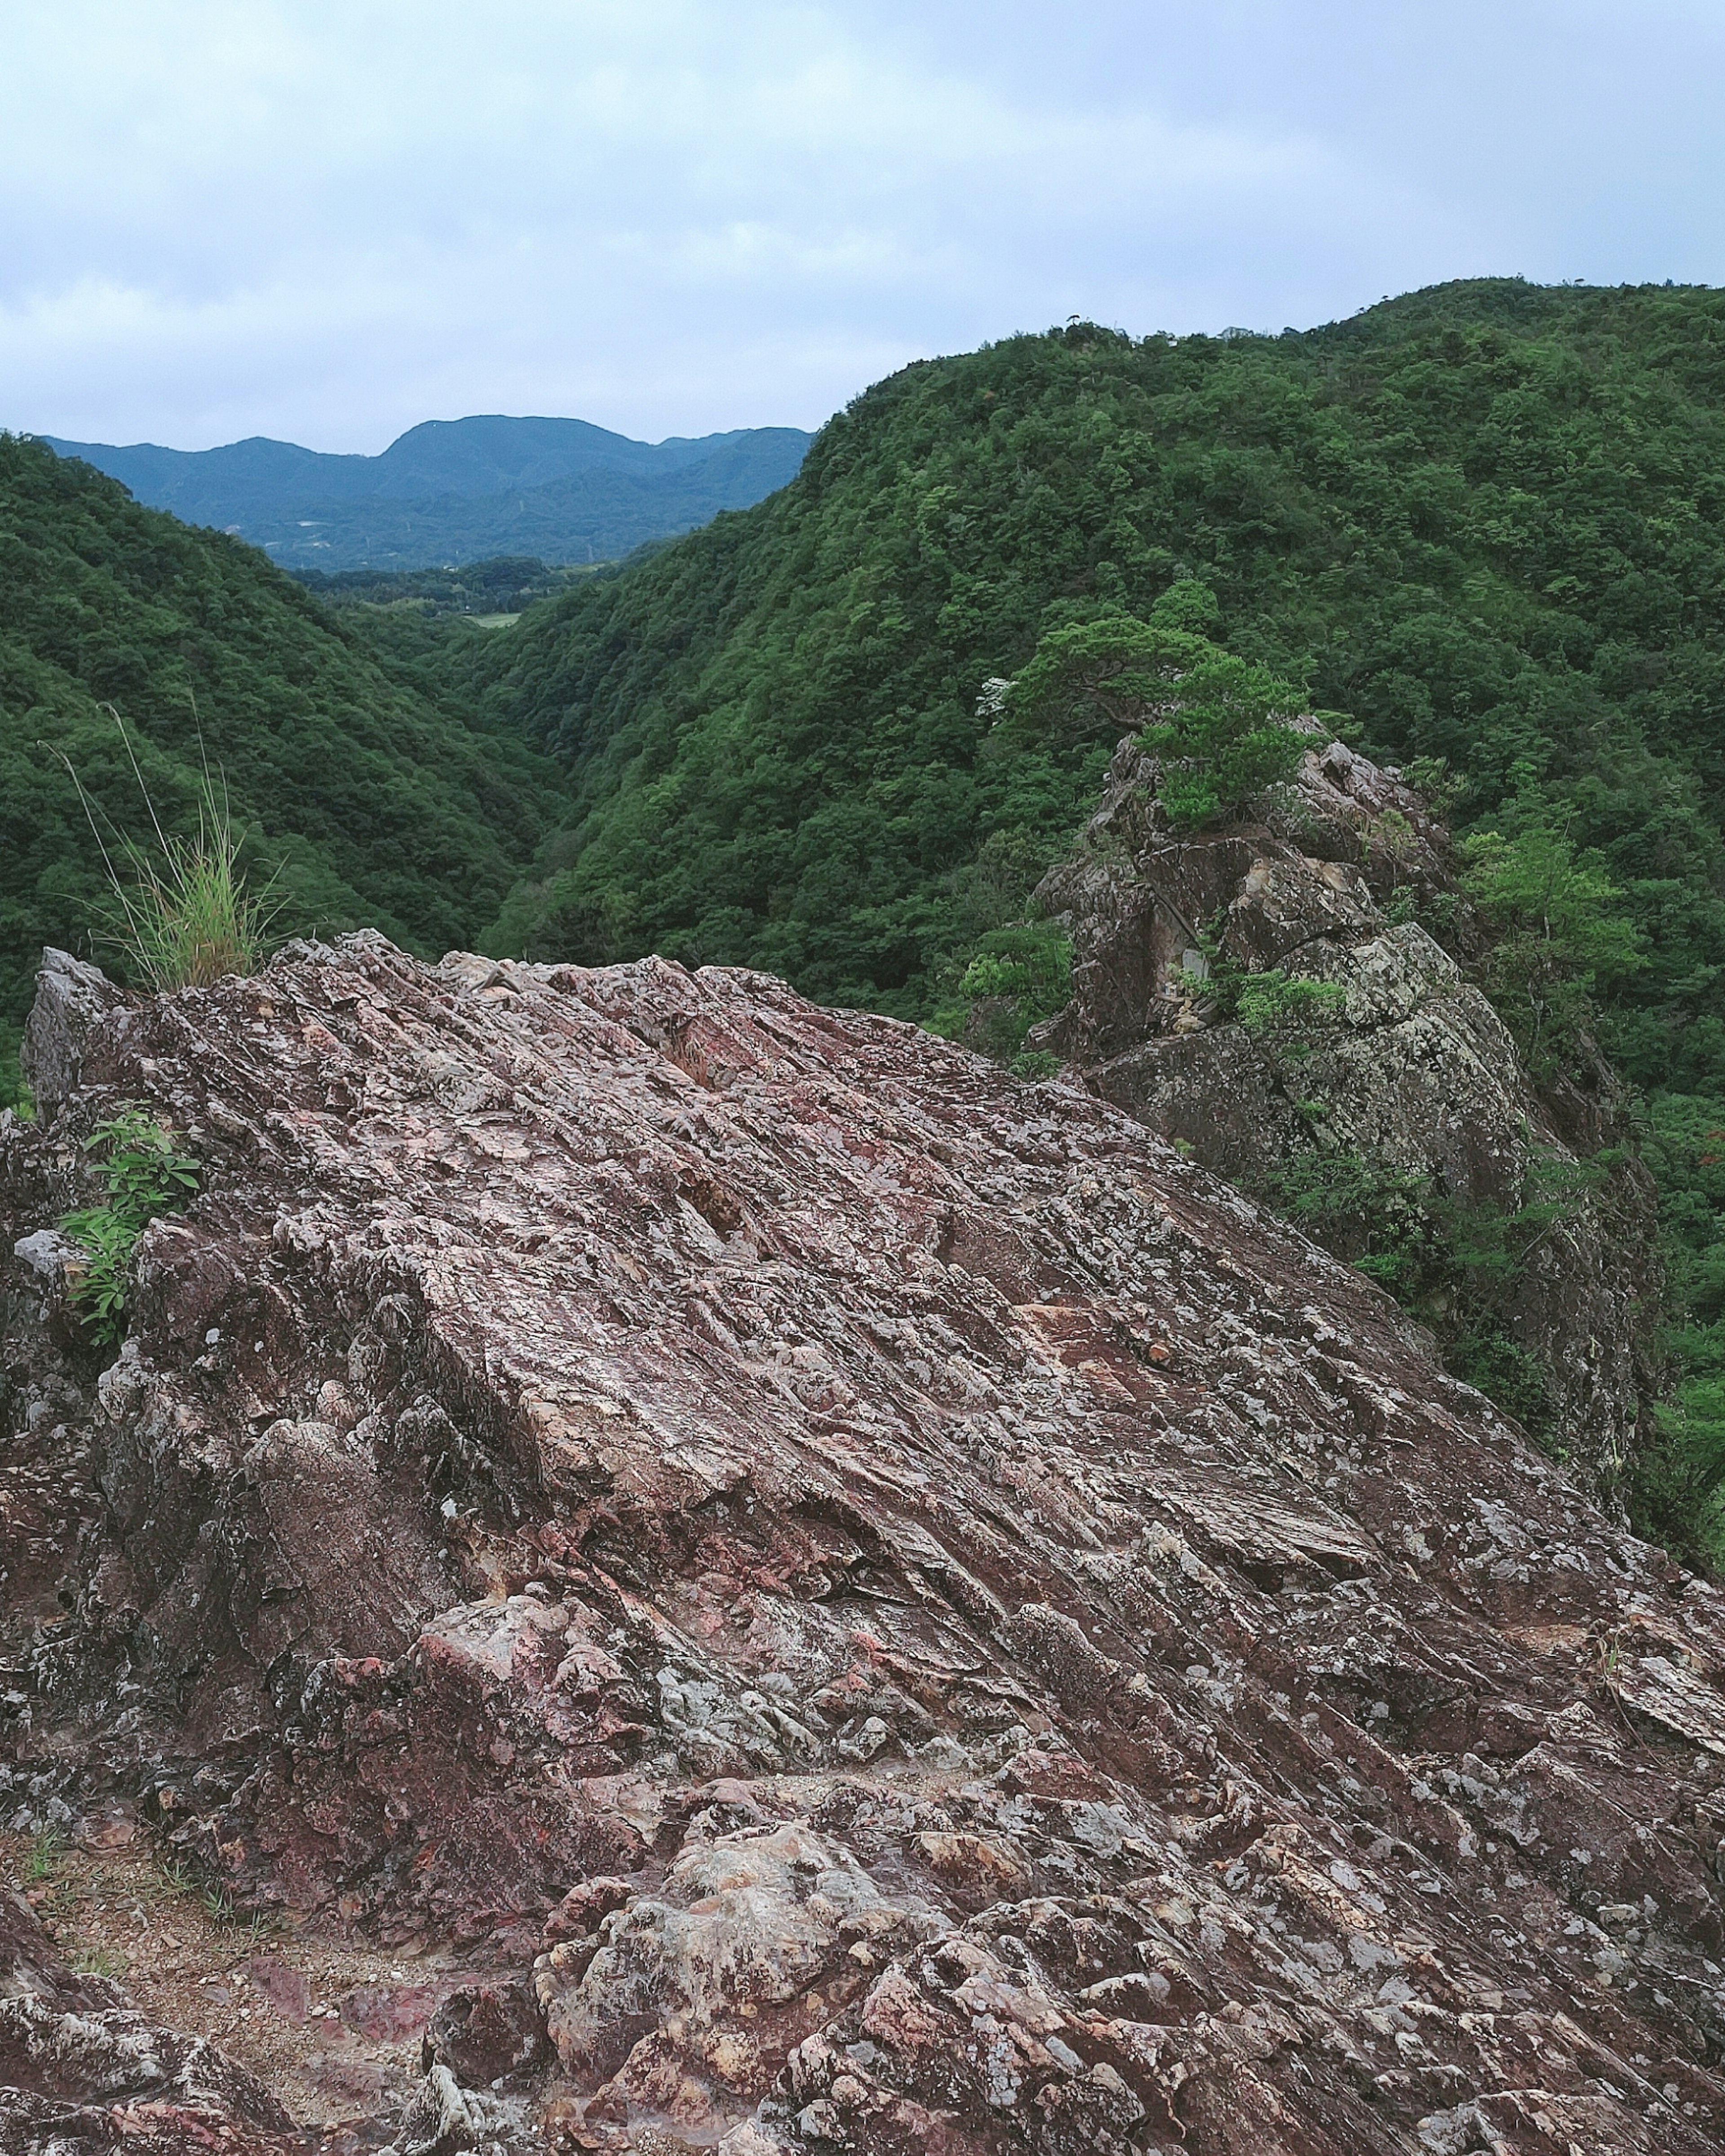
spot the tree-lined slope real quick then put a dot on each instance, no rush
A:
(1485, 520)
(376, 805)
(451, 491)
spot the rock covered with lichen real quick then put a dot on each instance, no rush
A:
(1394, 1069)
(890, 1609)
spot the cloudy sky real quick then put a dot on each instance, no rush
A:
(327, 219)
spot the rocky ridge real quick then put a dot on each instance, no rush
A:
(877, 1605)
(1330, 880)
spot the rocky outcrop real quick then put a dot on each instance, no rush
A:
(1406, 1066)
(897, 1612)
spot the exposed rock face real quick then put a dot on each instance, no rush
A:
(1411, 1069)
(72, 998)
(912, 1616)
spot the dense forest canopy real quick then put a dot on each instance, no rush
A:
(375, 803)
(1484, 520)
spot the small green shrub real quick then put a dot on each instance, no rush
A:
(1277, 1008)
(145, 1175)
(184, 917)
(1376, 1217)
(1278, 1002)
(1013, 978)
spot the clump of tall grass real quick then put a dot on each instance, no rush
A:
(182, 917)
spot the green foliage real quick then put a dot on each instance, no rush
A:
(12, 1088)
(145, 1175)
(1376, 1216)
(503, 584)
(1217, 723)
(1276, 1004)
(1017, 976)
(372, 798)
(187, 920)
(1281, 1011)
(43, 1855)
(1560, 933)
(1450, 1265)
(1487, 520)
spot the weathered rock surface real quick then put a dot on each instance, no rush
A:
(1411, 1070)
(907, 1614)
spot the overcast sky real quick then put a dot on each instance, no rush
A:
(325, 222)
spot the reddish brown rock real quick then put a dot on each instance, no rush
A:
(1021, 1650)
(285, 1988)
(390, 2013)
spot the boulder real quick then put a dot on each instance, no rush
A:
(72, 998)
(1406, 1066)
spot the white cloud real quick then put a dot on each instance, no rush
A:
(225, 217)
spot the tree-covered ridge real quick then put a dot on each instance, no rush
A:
(376, 805)
(1484, 521)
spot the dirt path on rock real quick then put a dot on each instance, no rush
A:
(333, 2026)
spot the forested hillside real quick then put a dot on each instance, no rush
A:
(376, 805)
(450, 491)
(1487, 521)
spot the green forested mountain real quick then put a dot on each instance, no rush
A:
(450, 491)
(376, 804)
(1485, 520)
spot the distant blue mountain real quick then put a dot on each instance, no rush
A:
(455, 490)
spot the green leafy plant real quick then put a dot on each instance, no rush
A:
(1277, 1003)
(146, 1175)
(182, 917)
(1278, 1009)
(1013, 977)
(1217, 723)
(1377, 1217)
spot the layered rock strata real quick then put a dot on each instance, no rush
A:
(908, 1615)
